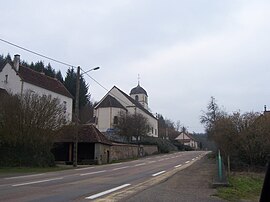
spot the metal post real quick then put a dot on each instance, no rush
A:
(219, 166)
(75, 149)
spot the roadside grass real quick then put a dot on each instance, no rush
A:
(27, 170)
(245, 186)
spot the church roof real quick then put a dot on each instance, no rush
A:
(136, 103)
(110, 101)
(138, 90)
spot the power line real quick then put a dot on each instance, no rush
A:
(103, 87)
(36, 53)
(58, 61)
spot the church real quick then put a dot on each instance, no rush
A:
(106, 112)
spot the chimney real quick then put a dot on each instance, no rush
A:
(16, 62)
(265, 108)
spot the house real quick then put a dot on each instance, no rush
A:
(186, 139)
(17, 79)
(92, 145)
(106, 112)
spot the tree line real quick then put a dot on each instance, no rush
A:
(244, 137)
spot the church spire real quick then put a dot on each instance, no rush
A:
(138, 79)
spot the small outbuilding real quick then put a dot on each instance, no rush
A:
(93, 146)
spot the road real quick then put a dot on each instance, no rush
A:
(103, 183)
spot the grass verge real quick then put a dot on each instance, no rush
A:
(19, 170)
(245, 186)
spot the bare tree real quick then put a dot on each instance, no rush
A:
(132, 125)
(28, 125)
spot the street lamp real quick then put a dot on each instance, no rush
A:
(75, 148)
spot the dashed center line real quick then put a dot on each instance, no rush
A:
(36, 182)
(159, 173)
(92, 173)
(151, 161)
(107, 192)
(84, 168)
(178, 166)
(187, 161)
(24, 176)
(121, 168)
(140, 164)
(193, 159)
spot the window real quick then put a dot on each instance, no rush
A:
(115, 120)
(65, 106)
(6, 78)
(137, 98)
(152, 130)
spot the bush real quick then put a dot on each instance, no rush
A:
(164, 146)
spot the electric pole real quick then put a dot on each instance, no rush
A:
(75, 146)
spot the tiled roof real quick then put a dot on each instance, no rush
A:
(87, 133)
(38, 79)
(110, 101)
(136, 103)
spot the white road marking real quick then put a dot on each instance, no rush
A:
(36, 182)
(178, 166)
(92, 173)
(187, 161)
(115, 164)
(121, 168)
(23, 176)
(197, 157)
(159, 173)
(193, 159)
(140, 164)
(84, 168)
(107, 192)
(161, 159)
(151, 161)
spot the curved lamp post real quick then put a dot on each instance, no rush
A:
(75, 148)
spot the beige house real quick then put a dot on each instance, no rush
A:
(187, 139)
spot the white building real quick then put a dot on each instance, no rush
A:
(17, 79)
(116, 101)
(187, 139)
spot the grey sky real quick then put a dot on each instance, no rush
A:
(185, 51)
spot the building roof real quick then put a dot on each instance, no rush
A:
(88, 133)
(186, 134)
(110, 101)
(41, 80)
(138, 90)
(136, 103)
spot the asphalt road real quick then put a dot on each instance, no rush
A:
(103, 183)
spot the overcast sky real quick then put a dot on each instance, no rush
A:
(184, 50)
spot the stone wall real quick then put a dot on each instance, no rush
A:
(149, 149)
(123, 151)
(129, 151)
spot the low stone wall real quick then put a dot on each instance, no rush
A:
(123, 151)
(149, 149)
(129, 151)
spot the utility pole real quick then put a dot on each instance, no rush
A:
(75, 147)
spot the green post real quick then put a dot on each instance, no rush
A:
(219, 166)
